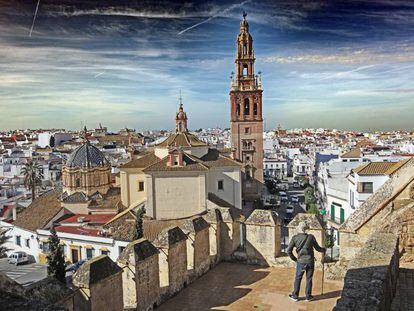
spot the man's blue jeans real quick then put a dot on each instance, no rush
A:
(301, 268)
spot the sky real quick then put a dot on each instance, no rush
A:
(333, 64)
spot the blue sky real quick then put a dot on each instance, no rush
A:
(336, 64)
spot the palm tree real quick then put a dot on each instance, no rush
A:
(33, 175)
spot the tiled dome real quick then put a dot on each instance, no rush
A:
(87, 156)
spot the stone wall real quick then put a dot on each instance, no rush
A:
(263, 233)
(172, 261)
(149, 273)
(198, 248)
(140, 277)
(372, 275)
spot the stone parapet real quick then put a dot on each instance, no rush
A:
(140, 278)
(263, 232)
(100, 283)
(372, 275)
(172, 261)
(198, 247)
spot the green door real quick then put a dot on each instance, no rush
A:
(332, 212)
(342, 216)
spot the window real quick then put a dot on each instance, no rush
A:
(104, 252)
(245, 70)
(121, 249)
(246, 107)
(141, 185)
(255, 109)
(45, 247)
(238, 109)
(89, 253)
(341, 215)
(365, 187)
(28, 243)
(220, 185)
(18, 240)
(78, 183)
(247, 130)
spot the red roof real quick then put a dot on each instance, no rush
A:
(96, 218)
(77, 230)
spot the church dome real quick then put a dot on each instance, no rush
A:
(87, 156)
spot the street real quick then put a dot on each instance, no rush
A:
(25, 274)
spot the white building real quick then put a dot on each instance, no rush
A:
(368, 178)
(301, 165)
(275, 167)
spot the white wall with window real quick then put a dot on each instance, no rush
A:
(361, 187)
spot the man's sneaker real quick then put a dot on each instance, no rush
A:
(293, 297)
(310, 298)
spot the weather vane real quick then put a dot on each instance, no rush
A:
(244, 14)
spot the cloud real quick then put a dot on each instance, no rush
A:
(223, 12)
(359, 56)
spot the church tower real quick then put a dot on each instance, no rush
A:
(246, 115)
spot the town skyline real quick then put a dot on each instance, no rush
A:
(124, 66)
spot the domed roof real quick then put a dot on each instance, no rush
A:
(87, 156)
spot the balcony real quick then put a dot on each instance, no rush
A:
(248, 148)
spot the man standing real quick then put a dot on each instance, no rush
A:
(304, 244)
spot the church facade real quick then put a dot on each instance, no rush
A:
(178, 178)
(246, 118)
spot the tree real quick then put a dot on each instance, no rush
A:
(33, 175)
(55, 259)
(313, 209)
(139, 231)
(3, 239)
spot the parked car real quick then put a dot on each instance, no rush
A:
(74, 267)
(289, 209)
(18, 258)
(283, 196)
(295, 199)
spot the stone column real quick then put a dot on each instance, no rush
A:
(140, 277)
(213, 218)
(172, 261)
(198, 247)
(229, 232)
(99, 281)
(262, 237)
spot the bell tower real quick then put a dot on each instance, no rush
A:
(246, 120)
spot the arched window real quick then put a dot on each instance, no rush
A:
(245, 67)
(238, 109)
(246, 107)
(255, 109)
(78, 182)
(244, 49)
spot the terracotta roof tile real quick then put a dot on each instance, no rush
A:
(142, 162)
(40, 211)
(379, 168)
(354, 153)
(182, 140)
(192, 164)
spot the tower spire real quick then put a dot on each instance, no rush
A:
(181, 118)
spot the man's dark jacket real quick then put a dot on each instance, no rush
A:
(304, 244)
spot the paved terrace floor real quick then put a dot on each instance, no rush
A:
(242, 287)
